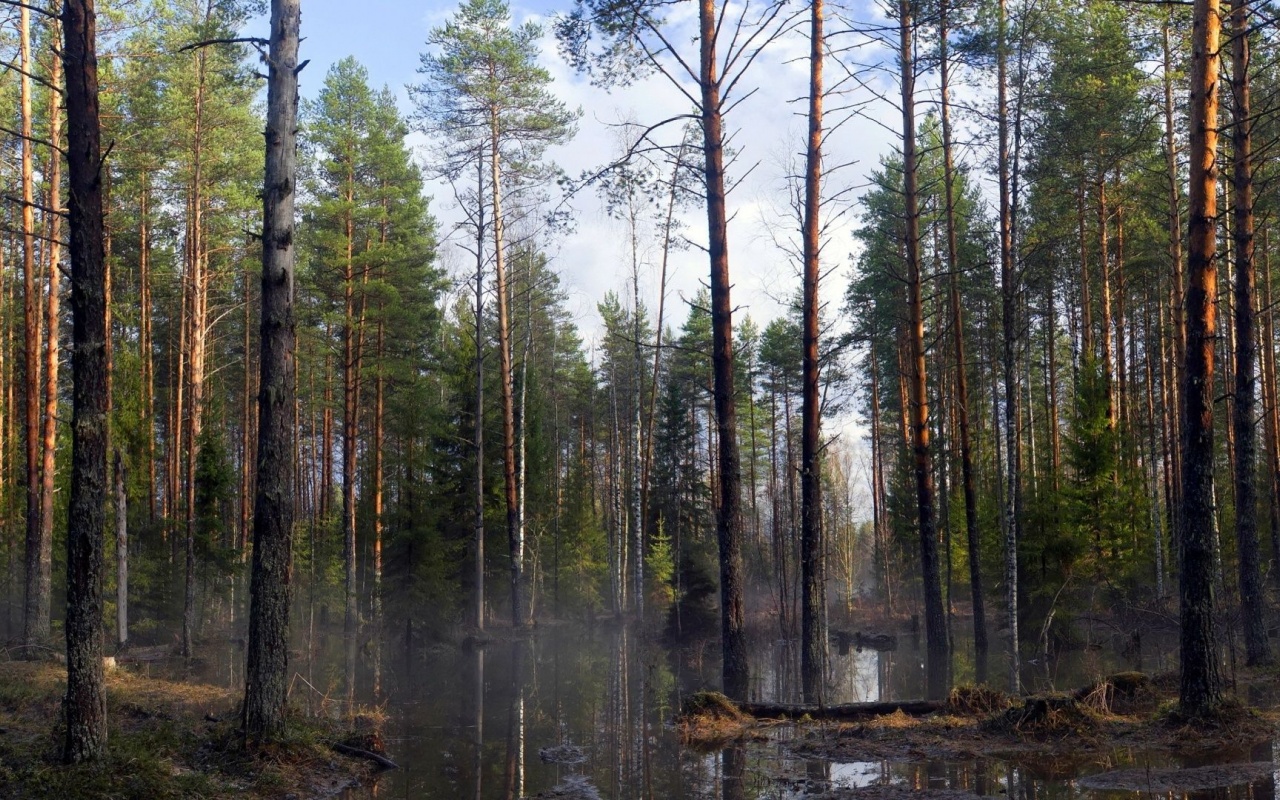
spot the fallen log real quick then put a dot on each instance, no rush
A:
(377, 758)
(913, 708)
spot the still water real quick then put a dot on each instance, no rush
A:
(576, 712)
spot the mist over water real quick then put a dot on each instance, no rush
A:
(586, 712)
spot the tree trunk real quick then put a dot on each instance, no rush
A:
(515, 539)
(1271, 412)
(479, 421)
(197, 340)
(1201, 686)
(1104, 277)
(266, 676)
(122, 556)
(1257, 648)
(350, 417)
(813, 558)
(146, 343)
(53, 342)
(1009, 323)
(86, 702)
(922, 457)
(1177, 289)
(379, 421)
(733, 642)
(962, 379)
(39, 549)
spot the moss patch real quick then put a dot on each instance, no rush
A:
(166, 740)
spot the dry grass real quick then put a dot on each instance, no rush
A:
(976, 701)
(168, 739)
(711, 720)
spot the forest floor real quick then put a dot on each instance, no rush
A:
(168, 739)
(1049, 737)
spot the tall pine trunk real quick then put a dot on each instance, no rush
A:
(39, 550)
(918, 405)
(263, 715)
(813, 557)
(86, 702)
(1201, 686)
(733, 642)
(479, 420)
(52, 347)
(1009, 324)
(962, 380)
(515, 534)
(1257, 648)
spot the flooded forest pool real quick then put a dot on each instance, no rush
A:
(578, 712)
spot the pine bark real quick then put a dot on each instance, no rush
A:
(263, 715)
(733, 640)
(122, 555)
(1257, 648)
(53, 317)
(515, 535)
(85, 706)
(1201, 684)
(479, 424)
(918, 413)
(813, 559)
(968, 478)
(39, 550)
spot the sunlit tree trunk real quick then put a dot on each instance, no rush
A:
(813, 557)
(39, 549)
(1201, 686)
(197, 339)
(53, 314)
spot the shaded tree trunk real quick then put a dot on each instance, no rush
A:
(1257, 648)
(733, 642)
(86, 701)
(515, 534)
(968, 479)
(263, 715)
(122, 555)
(922, 457)
(1008, 294)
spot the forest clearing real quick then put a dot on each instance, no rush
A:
(639, 399)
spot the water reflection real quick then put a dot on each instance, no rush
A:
(587, 712)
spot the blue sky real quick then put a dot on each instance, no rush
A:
(388, 36)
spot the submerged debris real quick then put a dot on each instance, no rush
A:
(1045, 715)
(1179, 780)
